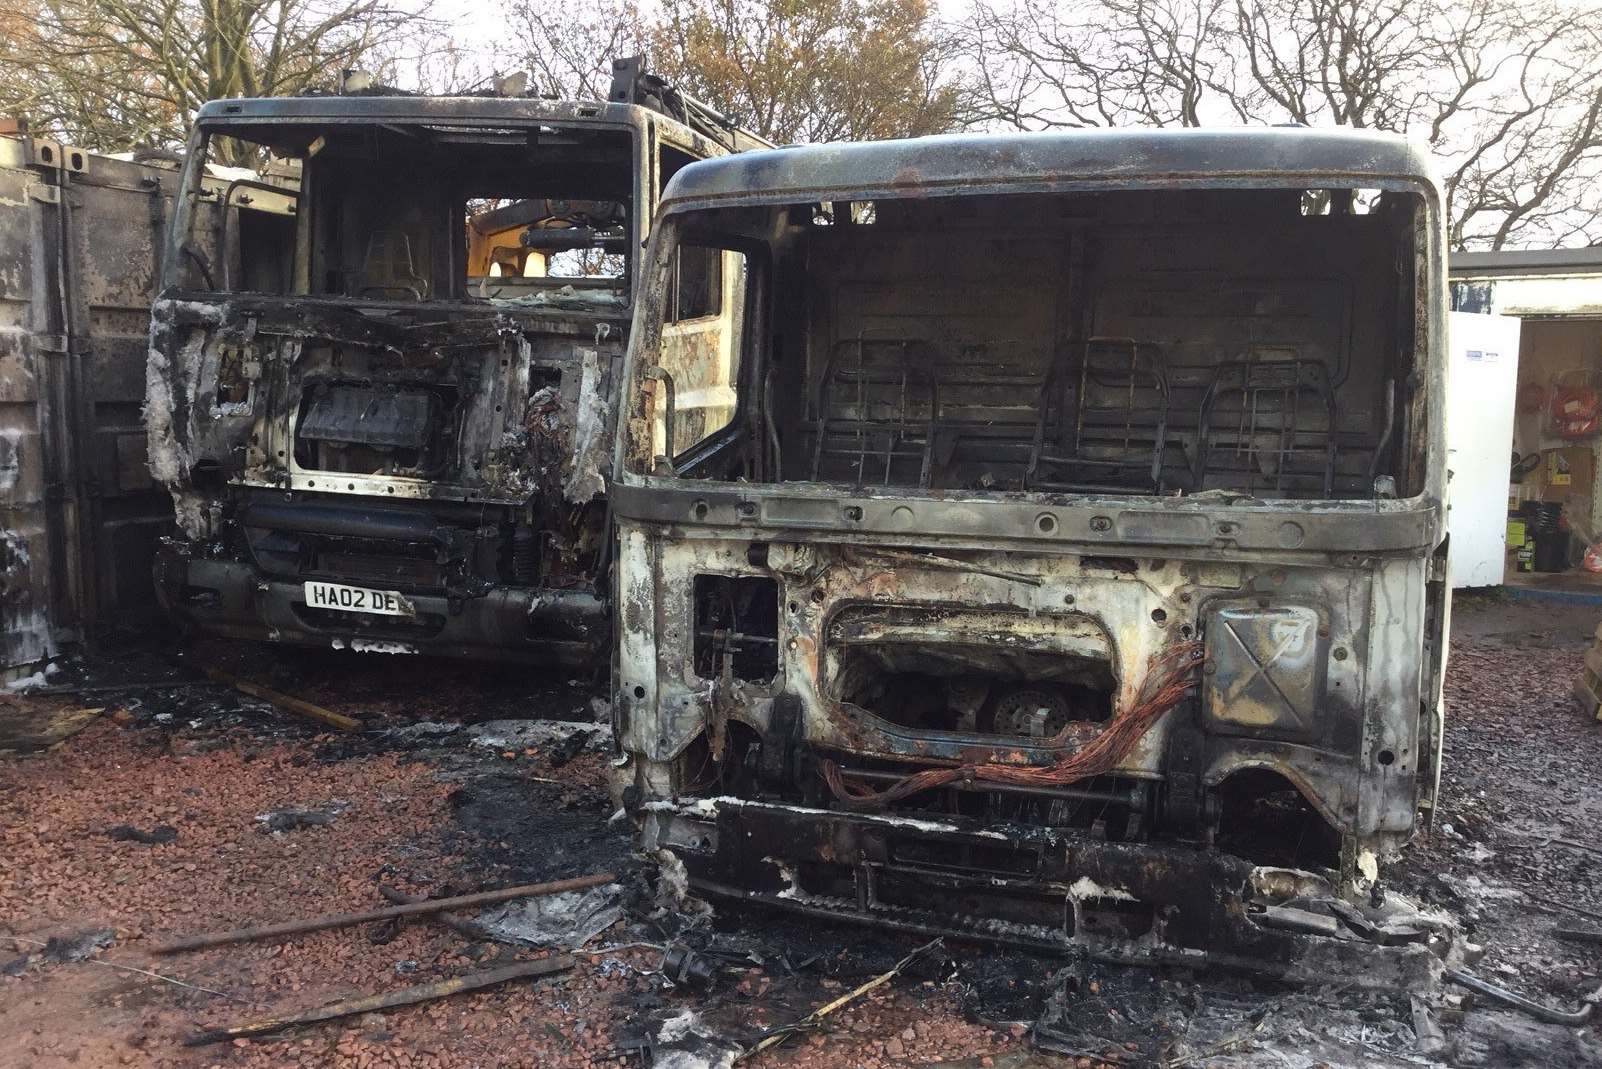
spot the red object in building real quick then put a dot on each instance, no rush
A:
(1576, 411)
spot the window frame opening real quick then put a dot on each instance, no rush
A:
(429, 261)
(1276, 411)
(681, 345)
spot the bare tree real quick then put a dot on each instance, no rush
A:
(811, 70)
(792, 70)
(1092, 62)
(111, 73)
(431, 60)
(569, 49)
(1507, 93)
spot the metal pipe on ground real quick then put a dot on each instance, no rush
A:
(415, 909)
(405, 997)
(1549, 1014)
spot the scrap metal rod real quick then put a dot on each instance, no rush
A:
(1556, 904)
(286, 702)
(406, 996)
(1571, 844)
(110, 688)
(414, 909)
(459, 925)
(1519, 1002)
(779, 1035)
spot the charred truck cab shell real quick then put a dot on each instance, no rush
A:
(382, 395)
(1056, 555)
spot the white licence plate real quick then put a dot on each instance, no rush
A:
(358, 599)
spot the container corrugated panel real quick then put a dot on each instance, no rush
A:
(29, 607)
(79, 514)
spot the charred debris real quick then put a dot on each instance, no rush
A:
(706, 987)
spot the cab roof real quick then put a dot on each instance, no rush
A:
(275, 118)
(1057, 161)
(330, 107)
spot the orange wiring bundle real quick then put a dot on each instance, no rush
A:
(1171, 677)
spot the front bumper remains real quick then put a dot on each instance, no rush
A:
(233, 599)
(1046, 890)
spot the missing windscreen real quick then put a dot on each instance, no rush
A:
(1169, 356)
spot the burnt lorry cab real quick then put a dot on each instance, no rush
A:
(1057, 551)
(382, 399)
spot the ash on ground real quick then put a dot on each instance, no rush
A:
(144, 825)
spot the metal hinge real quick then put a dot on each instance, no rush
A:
(44, 194)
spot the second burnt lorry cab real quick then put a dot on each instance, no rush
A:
(382, 398)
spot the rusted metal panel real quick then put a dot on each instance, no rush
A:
(31, 603)
(117, 226)
(79, 241)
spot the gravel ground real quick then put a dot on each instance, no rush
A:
(428, 809)
(1523, 765)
